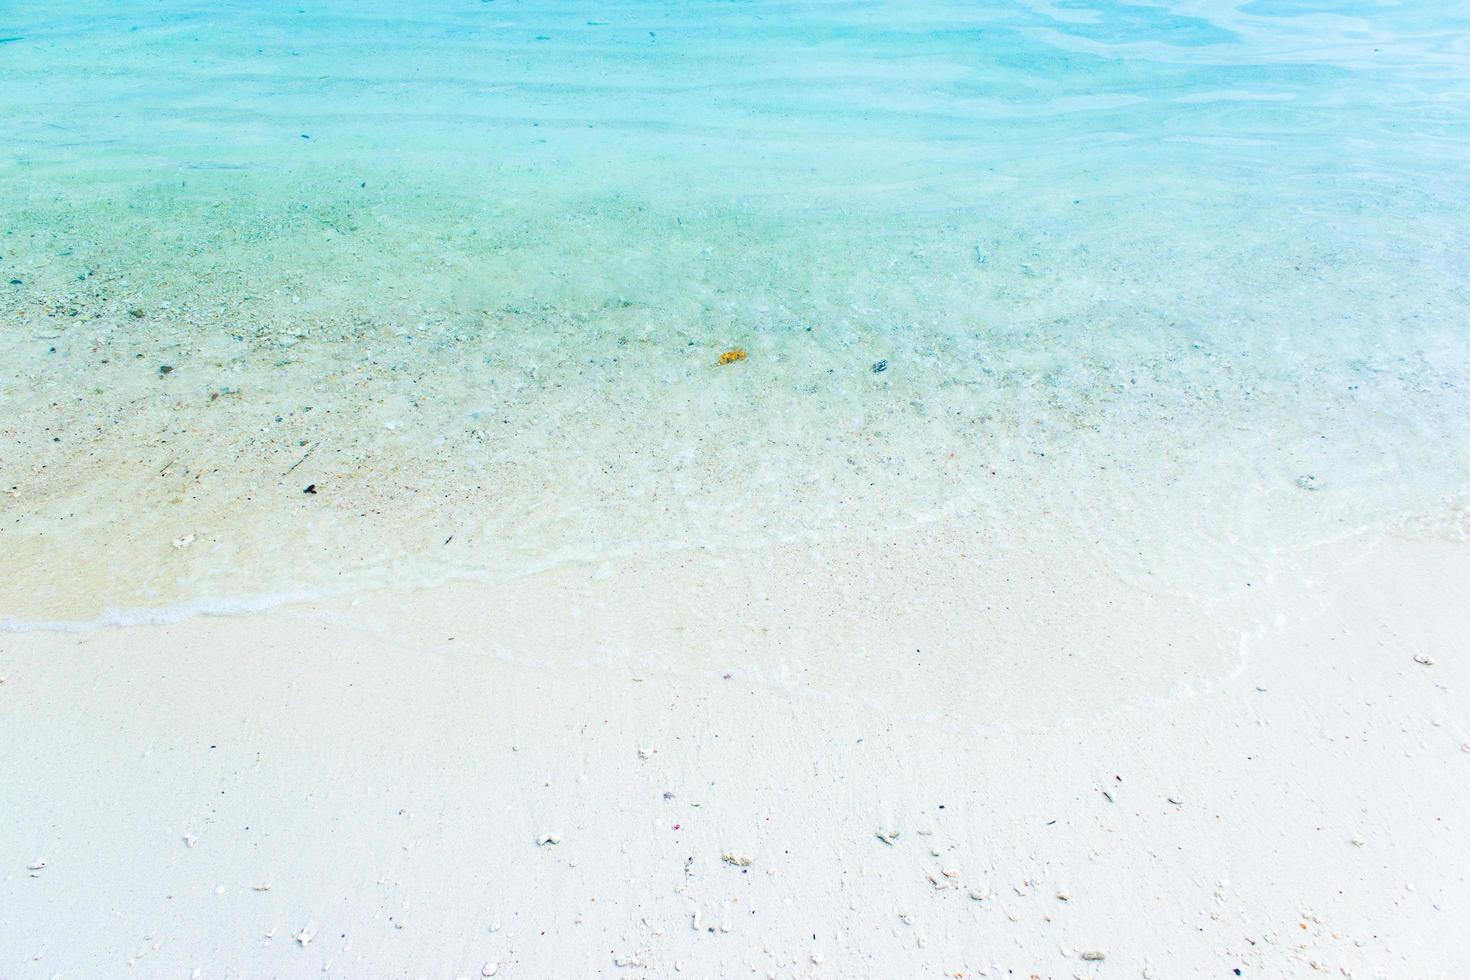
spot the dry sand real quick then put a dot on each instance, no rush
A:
(814, 762)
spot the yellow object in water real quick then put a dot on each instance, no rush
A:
(733, 355)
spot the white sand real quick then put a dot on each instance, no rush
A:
(374, 775)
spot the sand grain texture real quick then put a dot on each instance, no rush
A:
(341, 790)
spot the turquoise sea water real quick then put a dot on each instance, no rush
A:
(1186, 284)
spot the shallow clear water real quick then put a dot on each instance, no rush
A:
(1185, 284)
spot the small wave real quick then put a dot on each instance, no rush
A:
(162, 615)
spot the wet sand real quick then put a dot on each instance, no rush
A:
(566, 777)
